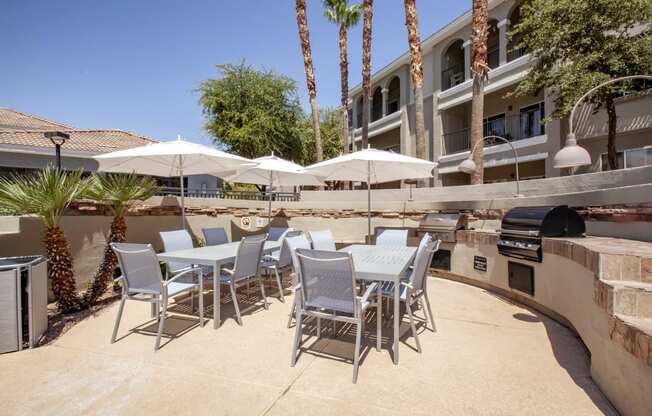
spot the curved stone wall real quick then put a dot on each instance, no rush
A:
(599, 287)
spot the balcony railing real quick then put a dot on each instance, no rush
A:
(515, 53)
(222, 194)
(493, 57)
(512, 128)
(452, 76)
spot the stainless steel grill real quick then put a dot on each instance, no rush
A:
(442, 225)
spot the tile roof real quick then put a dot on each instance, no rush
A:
(21, 129)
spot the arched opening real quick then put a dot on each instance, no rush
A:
(377, 104)
(394, 95)
(358, 114)
(452, 72)
(515, 51)
(493, 45)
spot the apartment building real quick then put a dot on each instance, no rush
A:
(447, 106)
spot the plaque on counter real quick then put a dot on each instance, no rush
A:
(480, 263)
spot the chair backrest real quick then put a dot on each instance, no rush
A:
(176, 240)
(327, 280)
(422, 261)
(248, 256)
(215, 236)
(293, 243)
(322, 240)
(285, 254)
(275, 233)
(139, 265)
(396, 238)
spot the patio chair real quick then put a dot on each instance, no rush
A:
(413, 289)
(328, 291)
(247, 268)
(275, 233)
(280, 261)
(293, 243)
(142, 281)
(215, 236)
(322, 240)
(392, 238)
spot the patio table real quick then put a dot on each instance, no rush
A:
(214, 256)
(383, 264)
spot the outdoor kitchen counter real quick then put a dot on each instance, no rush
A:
(599, 287)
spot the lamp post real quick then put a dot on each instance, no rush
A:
(58, 138)
(468, 166)
(572, 155)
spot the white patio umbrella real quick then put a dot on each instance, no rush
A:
(372, 166)
(171, 159)
(274, 171)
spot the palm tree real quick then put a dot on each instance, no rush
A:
(304, 35)
(119, 191)
(416, 72)
(480, 71)
(340, 13)
(47, 193)
(366, 69)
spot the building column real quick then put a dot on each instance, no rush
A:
(467, 59)
(385, 93)
(556, 130)
(503, 27)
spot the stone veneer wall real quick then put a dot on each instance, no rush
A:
(601, 288)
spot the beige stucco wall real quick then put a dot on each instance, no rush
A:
(567, 288)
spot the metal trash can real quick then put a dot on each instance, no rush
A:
(23, 301)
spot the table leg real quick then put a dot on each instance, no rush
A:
(397, 304)
(216, 296)
(379, 316)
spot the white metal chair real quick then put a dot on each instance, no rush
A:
(395, 238)
(280, 261)
(329, 291)
(293, 243)
(322, 240)
(276, 233)
(413, 289)
(215, 236)
(247, 268)
(142, 281)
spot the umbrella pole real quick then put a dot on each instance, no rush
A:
(269, 197)
(183, 207)
(369, 201)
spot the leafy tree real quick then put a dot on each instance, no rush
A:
(329, 125)
(579, 44)
(119, 191)
(47, 193)
(253, 112)
(345, 16)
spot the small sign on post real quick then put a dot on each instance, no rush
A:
(480, 263)
(245, 222)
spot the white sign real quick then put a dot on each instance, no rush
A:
(245, 222)
(261, 222)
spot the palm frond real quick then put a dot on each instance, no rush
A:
(121, 190)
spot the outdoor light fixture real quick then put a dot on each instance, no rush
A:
(58, 138)
(468, 166)
(572, 155)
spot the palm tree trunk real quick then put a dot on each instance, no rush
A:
(344, 84)
(104, 274)
(302, 23)
(60, 270)
(612, 120)
(480, 71)
(416, 72)
(366, 69)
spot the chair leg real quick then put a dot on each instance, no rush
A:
(292, 310)
(117, 319)
(297, 339)
(201, 306)
(379, 319)
(356, 356)
(262, 292)
(412, 325)
(280, 286)
(318, 327)
(161, 323)
(429, 312)
(235, 303)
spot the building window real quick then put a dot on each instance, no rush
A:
(452, 73)
(350, 119)
(493, 45)
(532, 121)
(377, 105)
(495, 126)
(358, 116)
(631, 158)
(394, 95)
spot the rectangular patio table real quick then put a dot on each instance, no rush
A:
(215, 256)
(383, 264)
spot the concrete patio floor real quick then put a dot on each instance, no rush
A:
(488, 357)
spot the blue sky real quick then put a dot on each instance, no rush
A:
(134, 65)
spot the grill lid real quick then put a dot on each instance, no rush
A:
(546, 221)
(443, 222)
